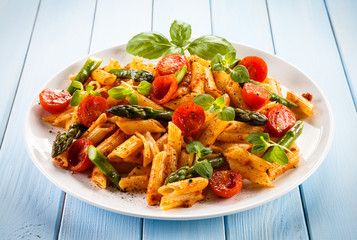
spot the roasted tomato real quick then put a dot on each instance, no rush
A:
(189, 118)
(54, 100)
(257, 68)
(280, 120)
(91, 108)
(78, 155)
(163, 88)
(171, 64)
(226, 183)
(254, 95)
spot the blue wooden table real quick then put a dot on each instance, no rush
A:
(40, 37)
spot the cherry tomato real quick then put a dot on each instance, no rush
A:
(171, 64)
(254, 95)
(78, 159)
(257, 68)
(163, 88)
(226, 183)
(54, 100)
(91, 108)
(280, 120)
(189, 118)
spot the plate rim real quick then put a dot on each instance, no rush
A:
(286, 190)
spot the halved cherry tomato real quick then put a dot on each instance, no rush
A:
(171, 64)
(226, 183)
(78, 159)
(256, 66)
(280, 120)
(189, 118)
(254, 95)
(54, 100)
(91, 108)
(163, 88)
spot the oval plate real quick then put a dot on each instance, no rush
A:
(314, 144)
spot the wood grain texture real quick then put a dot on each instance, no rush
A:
(198, 15)
(288, 208)
(30, 205)
(344, 22)
(279, 219)
(243, 26)
(84, 221)
(177, 230)
(15, 31)
(81, 220)
(115, 22)
(330, 193)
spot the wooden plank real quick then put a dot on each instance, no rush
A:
(16, 34)
(288, 208)
(343, 19)
(84, 221)
(81, 220)
(196, 13)
(307, 41)
(30, 205)
(177, 230)
(115, 22)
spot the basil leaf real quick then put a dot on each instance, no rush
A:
(148, 45)
(230, 57)
(259, 140)
(89, 89)
(180, 32)
(217, 63)
(133, 99)
(174, 49)
(194, 147)
(219, 102)
(240, 74)
(214, 108)
(204, 152)
(208, 46)
(226, 114)
(256, 138)
(204, 100)
(118, 93)
(204, 169)
(76, 98)
(77, 84)
(95, 93)
(144, 88)
(278, 155)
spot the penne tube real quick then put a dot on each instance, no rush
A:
(213, 130)
(157, 178)
(99, 178)
(134, 183)
(128, 147)
(130, 126)
(198, 78)
(112, 142)
(180, 101)
(174, 138)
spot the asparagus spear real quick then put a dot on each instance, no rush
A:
(103, 164)
(289, 137)
(187, 172)
(137, 75)
(134, 111)
(65, 139)
(91, 64)
(276, 97)
(251, 117)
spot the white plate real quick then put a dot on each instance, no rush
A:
(314, 144)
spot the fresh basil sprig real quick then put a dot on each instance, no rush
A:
(261, 142)
(153, 45)
(207, 102)
(77, 96)
(203, 168)
(119, 93)
(239, 73)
